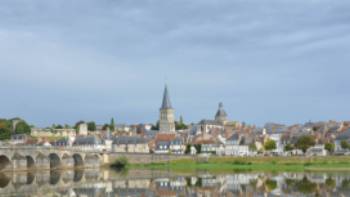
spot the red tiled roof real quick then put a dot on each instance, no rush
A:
(165, 136)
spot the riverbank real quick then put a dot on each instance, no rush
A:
(223, 164)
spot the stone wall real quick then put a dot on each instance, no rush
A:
(137, 158)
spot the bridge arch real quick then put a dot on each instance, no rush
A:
(78, 160)
(30, 162)
(55, 177)
(55, 161)
(78, 175)
(4, 162)
(4, 180)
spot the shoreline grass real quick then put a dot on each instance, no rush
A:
(271, 164)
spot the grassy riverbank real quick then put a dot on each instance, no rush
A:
(221, 164)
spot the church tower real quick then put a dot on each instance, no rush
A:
(221, 115)
(167, 117)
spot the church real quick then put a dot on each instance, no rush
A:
(167, 114)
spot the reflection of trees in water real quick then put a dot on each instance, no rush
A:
(303, 186)
(345, 184)
(270, 184)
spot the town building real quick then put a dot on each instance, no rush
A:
(89, 143)
(165, 143)
(130, 144)
(83, 129)
(208, 126)
(48, 133)
(344, 136)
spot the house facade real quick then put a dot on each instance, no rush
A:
(130, 144)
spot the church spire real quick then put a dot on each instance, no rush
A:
(166, 99)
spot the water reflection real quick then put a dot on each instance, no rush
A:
(101, 183)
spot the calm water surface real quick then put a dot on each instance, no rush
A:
(101, 183)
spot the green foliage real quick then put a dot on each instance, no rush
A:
(155, 127)
(188, 149)
(22, 128)
(305, 186)
(120, 163)
(57, 126)
(199, 182)
(270, 184)
(305, 142)
(270, 145)
(112, 125)
(345, 184)
(180, 125)
(288, 147)
(105, 127)
(252, 147)
(198, 148)
(329, 147)
(5, 129)
(91, 126)
(330, 183)
(344, 144)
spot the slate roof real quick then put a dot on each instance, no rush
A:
(166, 99)
(129, 140)
(87, 140)
(209, 122)
(221, 112)
(344, 136)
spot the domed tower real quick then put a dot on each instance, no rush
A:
(167, 117)
(221, 115)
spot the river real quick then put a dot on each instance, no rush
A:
(107, 183)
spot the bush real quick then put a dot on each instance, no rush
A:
(329, 147)
(270, 145)
(120, 163)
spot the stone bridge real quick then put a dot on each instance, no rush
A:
(17, 158)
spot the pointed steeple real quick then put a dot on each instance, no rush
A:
(166, 99)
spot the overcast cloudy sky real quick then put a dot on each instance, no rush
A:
(268, 60)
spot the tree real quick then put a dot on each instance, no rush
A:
(305, 142)
(329, 147)
(112, 125)
(105, 127)
(188, 149)
(180, 125)
(57, 126)
(155, 127)
(252, 147)
(198, 148)
(91, 126)
(181, 121)
(344, 144)
(288, 147)
(5, 129)
(22, 128)
(270, 145)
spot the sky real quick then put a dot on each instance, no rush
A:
(283, 61)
